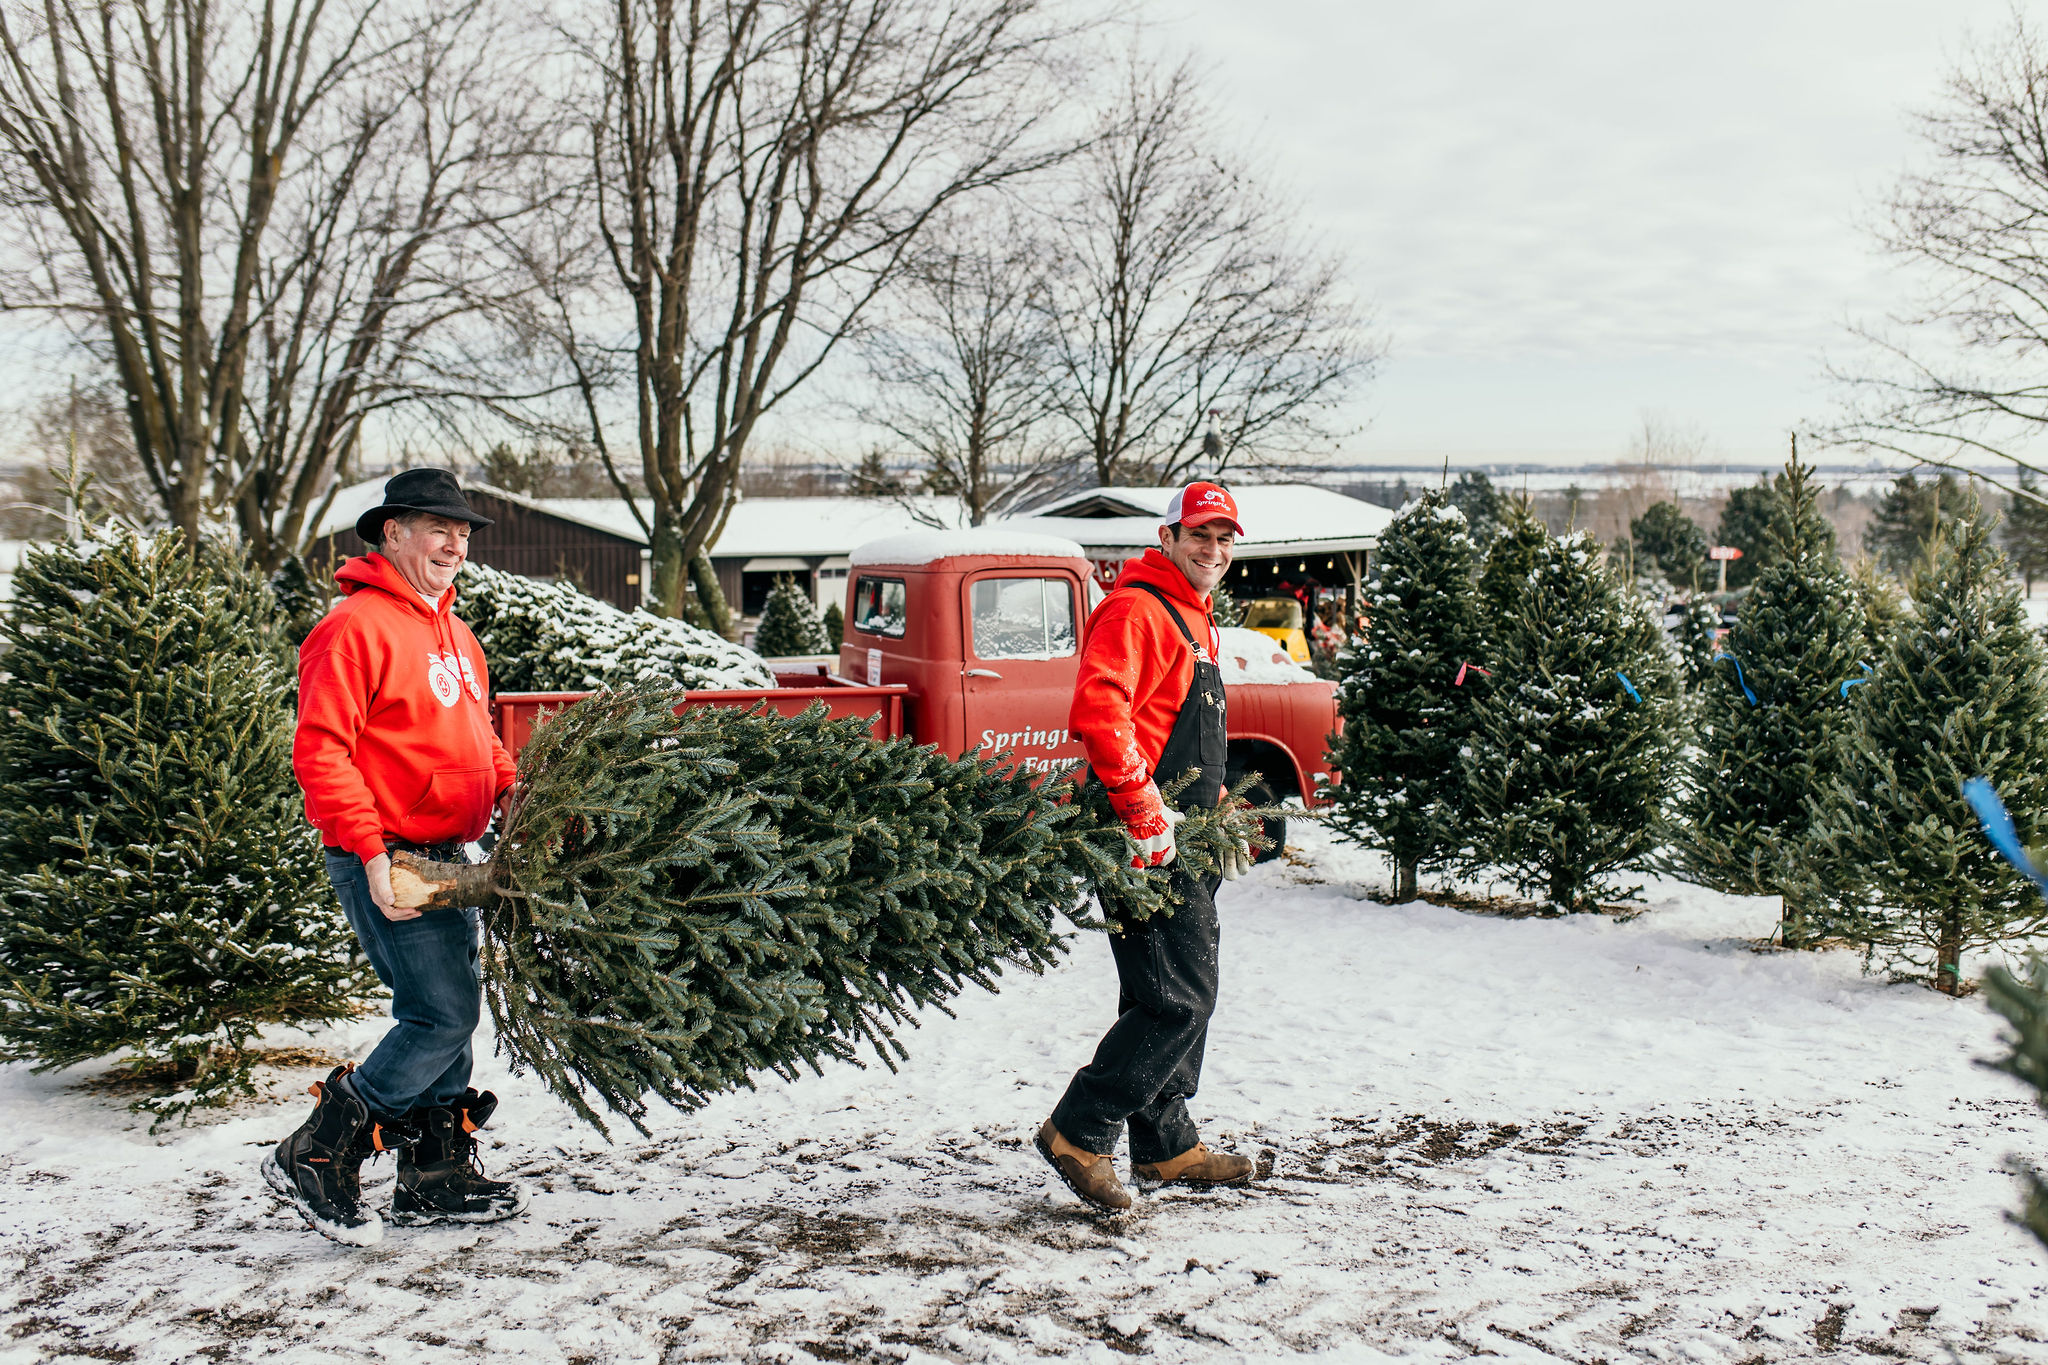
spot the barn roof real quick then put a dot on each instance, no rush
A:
(1279, 519)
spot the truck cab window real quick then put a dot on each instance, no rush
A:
(1023, 618)
(878, 606)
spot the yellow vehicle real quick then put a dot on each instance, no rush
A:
(1281, 618)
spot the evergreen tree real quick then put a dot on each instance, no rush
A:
(1767, 737)
(1697, 636)
(553, 637)
(1474, 494)
(764, 892)
(835, 627)
(2022, 1000)
(2025, 532)
(1573, 750)
(1223, 608)
(160, 890)
(1894, 850)
(1407, 693)
(1911, 515)
(1510, 561)
(789, 623)
(301, 603)
(1667, 541)
(1746, 524)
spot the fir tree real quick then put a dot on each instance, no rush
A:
(1474, 494)
(1666, 541)
(1408, 690)
(681, 900)
(1223, 608)
(2025, 532)
(1573, 750)
(835, 627)
(300, 602)
(160, 890)
(1894, 850)
(552, 637)
(789, 623)
(1510, 561)
(1767, 736)
(1910, 516)
(1745, 524)
(1697, 636)
(2022, 1001)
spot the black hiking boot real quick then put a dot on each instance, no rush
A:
(439, 1180)
(318, 1169)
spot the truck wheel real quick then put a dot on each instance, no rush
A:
(1261, 793)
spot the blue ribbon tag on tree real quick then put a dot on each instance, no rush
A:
(1738, 675)
(1998, 828)
(1634, 695)
(1848, 683)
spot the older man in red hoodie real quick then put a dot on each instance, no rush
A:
(395, 750)
(1149, 710)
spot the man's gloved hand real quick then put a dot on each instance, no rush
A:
(1148, 822)
(1236, 859)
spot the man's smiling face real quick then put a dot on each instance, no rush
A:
(1200, 552)
(428, 552)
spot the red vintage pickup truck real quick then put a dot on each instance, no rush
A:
(966, 639)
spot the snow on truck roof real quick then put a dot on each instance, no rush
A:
(928, 547)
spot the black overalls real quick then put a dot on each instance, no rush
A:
(1148, 1064)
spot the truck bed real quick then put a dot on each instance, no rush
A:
(516, 713)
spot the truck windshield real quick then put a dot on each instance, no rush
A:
(878, 606)
(1273, 613)
(1023, 618)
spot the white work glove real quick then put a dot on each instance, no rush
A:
(1157, 850)
(1148, 824)
(1236, 859)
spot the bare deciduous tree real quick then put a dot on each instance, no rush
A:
(1186, 292)
(964, 366)
(1962, 374)
(266, 220)
(764, 169)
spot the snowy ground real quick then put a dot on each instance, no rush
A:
(1574, 1140)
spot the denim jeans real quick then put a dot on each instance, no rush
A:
(430, 965)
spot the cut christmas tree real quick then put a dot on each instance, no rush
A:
(789, 623)
(1573, 751)
(1894, 853)
(680, 900)
(160, 891)
(1408, 692)
(1767, 734)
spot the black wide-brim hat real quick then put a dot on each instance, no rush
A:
(418, 490)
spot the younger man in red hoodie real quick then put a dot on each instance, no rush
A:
(395, 750)
(1149, 710)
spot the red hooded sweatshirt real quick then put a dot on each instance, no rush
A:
(394, 728)
(1136, 670)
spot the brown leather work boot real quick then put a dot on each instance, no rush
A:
(1196, 1166)
(1088, 1174)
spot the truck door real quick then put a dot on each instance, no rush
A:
(1022, 651)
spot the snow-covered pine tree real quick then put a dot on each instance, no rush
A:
(835, 627)
(764, 892)
(1758, 764)
(160, 890)
(1574, 750)
(1408, 689)
(553, 637)
(1697, 638)
(1894, 852)
(1223, 608)
(1510, 559)
(789, 623)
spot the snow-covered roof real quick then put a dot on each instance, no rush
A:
(770, 528)
(1278, 519)
(928, 547)
(601, 514)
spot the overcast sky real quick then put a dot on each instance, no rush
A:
(1568, 215)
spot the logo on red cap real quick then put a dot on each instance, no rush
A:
(1203, 502)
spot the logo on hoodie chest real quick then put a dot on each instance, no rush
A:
(448, 674)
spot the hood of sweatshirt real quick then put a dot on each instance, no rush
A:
(375, 571)
(1162, 573)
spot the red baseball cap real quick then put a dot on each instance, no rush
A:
(1202, 502)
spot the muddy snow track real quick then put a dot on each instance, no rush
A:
(1539, 1140)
